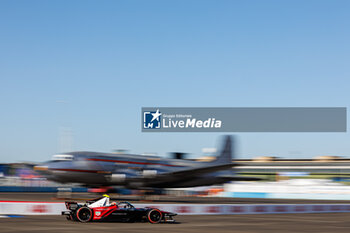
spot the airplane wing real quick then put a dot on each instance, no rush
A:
(198, 171)
(239, 178)
(182, 174)
(160, 179)
(173, 176)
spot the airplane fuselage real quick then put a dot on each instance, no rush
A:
(133, 171)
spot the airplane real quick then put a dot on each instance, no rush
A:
(93, 169)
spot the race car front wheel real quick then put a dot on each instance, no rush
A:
(154, 216)
(84, 214)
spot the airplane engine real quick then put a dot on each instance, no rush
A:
(118, 178)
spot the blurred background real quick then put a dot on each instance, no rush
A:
(318, 178)
(75, 74)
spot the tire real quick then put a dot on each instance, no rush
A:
(84, 214)
(154, 216)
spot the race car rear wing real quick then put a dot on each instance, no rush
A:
(71, 205)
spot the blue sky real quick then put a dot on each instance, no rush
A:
(92, 65)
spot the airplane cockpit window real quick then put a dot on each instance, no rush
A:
(62, 157)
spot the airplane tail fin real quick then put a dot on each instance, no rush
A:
(226, 153)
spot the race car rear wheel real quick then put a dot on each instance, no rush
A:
(84, 214)
(154, 216)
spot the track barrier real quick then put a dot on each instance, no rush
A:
(55, 208)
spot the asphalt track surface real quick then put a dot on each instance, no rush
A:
(160, 199)
(332, 222)
(322, 222)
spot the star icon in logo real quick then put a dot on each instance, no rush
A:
(156, 115)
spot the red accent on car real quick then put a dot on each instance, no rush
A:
(104, 211)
